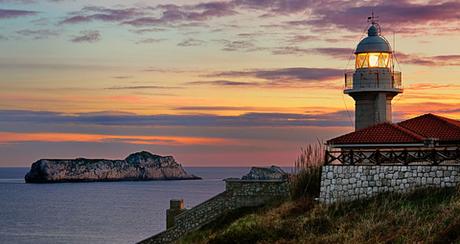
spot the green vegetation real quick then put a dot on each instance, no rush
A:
(426, 216)
(429, 215)
(306, 181)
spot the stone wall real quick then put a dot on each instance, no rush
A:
(250, 193)
(347, 182)
(237, 194)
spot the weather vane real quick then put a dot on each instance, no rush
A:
(372, 19)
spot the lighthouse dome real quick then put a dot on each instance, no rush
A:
(373, 42)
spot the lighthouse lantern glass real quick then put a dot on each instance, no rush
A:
(373, 60)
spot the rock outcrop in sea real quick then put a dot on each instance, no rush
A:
(137, 166)
(261, 173)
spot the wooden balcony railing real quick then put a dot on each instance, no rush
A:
(421, 156)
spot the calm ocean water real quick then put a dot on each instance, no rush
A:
(106, 212)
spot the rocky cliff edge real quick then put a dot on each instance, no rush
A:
(137, 166)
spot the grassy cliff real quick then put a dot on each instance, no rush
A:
(421, 216)
(428, 216)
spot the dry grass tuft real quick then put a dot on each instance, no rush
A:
(306, 180)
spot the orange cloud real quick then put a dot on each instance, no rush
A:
(413, 109)
(431, 86)
(12, 137)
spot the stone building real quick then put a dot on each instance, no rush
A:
(426, 139)
(380, 155)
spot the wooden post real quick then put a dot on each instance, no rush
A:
(405, 156)
(377, 157)
(433, 157)
(352, 160)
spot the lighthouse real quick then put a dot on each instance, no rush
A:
(374, 82)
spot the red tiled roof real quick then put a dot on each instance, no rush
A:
(385, 133)
(433, 126)
(414, 130)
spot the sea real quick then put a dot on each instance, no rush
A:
(97, 212)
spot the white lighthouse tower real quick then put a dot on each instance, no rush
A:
(374, 82)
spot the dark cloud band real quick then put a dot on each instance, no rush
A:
(338, 118)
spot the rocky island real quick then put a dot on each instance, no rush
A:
(136, 167)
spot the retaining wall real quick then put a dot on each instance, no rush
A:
(237, 194)
(350, 182)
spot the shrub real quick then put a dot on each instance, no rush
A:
(306, 180)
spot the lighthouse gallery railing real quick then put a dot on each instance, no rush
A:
(396, 81)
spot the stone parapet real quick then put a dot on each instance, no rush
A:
(238, 193)
(347, 182)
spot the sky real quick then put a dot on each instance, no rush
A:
(213, 83)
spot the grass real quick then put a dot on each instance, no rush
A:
(428, 216)
(307, 176)
(422, 216)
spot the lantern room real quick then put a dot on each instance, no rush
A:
(373, 51)
(373, 60)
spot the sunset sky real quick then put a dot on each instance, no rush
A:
(213, 83)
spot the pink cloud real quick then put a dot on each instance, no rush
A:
(13, 137)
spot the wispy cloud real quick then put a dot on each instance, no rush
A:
(147, 30)
(440, 60)
(225, 108)
(334, 52)
(94, 13)
(14, 137)
(173, 14)
(228, 83)
(322, 15)
(299, 39)
(122, 77)
(87, 36)
(160, 15)
(39, 34)
(279, 78)
(298, 74)
(143, 87)
(432, 86)
(151, 40)
(239, 46)
(276, 7)
(343, 14)
(416, 108)
(14, 13)
(191, 42)
(18, 1)
(348, 53)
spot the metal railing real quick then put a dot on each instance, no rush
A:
(349, 79)
(422, 156)
(396, 81)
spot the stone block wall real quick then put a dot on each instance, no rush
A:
(202, 213)
(250, 193)
(238, 193)
(350, 182)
